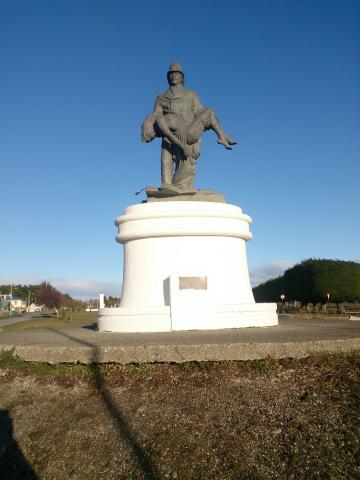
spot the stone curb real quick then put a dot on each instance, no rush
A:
(177, 353)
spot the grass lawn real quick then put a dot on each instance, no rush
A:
(76, 319)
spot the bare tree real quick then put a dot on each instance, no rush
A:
(50, 297)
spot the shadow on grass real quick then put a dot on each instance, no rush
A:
(124, 429)
(13, 464)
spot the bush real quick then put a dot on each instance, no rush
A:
(311, 280)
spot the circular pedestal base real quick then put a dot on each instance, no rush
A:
(185, 268)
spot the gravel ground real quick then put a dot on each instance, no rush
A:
(235, 420)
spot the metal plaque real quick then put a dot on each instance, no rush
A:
(195, 283)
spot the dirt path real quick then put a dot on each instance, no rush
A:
(240, 420)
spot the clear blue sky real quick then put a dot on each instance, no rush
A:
(78, 77)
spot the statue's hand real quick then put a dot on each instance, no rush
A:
(187, 151)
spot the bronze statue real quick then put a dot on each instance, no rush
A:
(180, 119)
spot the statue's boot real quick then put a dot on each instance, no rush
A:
(169, 188)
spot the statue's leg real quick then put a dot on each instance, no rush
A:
(223, 138)
(197, 127)
(206, 119)
(185, 173)
(167, 164)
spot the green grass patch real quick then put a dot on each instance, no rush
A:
(339, 360)
(192, 367)
(9, 360)
(264, 365)
(51, 321)
(12, 362)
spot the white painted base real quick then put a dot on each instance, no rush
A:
(158, 319)
(149, 319)
(185, 268)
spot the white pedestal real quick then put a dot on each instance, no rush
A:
(185, 268)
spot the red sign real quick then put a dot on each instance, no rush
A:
(282, 296)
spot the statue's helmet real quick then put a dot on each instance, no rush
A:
(175, 67)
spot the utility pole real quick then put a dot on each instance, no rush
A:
(10, 300)
(28, 300)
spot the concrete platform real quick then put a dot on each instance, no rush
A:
(293, 337)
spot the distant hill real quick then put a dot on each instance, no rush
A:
(311, 280)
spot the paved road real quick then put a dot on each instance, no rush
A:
(293, 337)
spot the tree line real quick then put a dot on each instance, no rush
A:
(314, 280)
(42, 294)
